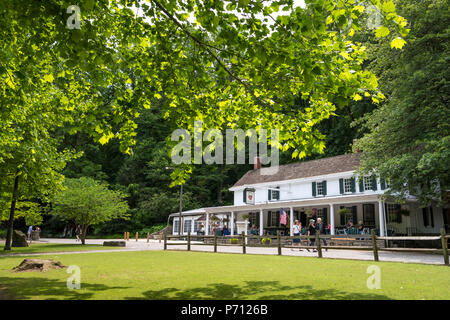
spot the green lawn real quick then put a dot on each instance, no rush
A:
(196, 275)
(53, 247)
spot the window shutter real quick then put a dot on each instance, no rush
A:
(314, 189)
(382, 183)
(278, 219)
(341, 186)
(354, 215)
(374, 183)
(431, 217)
(324, 186)
(361, 184)
(245, 195)
(353, 184)
(425, 217)
(269, 196)
(269, 218)
(257, 219)
(325, 217)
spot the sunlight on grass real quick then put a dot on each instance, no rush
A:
(193, 275)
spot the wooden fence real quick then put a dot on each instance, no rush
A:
(365, 242)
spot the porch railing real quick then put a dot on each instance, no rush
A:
(370, 242)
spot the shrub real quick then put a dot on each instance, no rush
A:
(234, 241)
(266, 241)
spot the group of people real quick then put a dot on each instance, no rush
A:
(360, 227)
(68, 231)
(30, 230)
(312, 229)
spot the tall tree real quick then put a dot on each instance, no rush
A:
(409, 139)
(87, 202)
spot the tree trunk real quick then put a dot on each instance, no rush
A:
(11, 214)
(83, 234)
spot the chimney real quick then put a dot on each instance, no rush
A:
(256, 163)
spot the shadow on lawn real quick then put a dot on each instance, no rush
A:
(256, 290)
(44, 248)
(27, 288)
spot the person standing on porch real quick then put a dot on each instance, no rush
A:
(321, 228)
(312, 232)
(297, 228)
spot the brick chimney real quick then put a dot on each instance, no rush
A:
(256, 163)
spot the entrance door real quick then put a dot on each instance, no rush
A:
(303, 219)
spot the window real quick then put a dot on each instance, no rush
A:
(348, 185)
(393, 213)
(197, 225)
(176, 226)
(319, 188)
(274, 194)
(322, 213)
(369, 214)
(367, 183)
(273, 219)
(187, 226)
(428, 218)
(254, 219)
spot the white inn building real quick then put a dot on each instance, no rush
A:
(312, 189)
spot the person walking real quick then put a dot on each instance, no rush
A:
(296, 230)
(78, 232)
(312, 232)
(321, 229)
(30, 229)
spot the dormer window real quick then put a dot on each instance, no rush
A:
(367, 183)
(319, 188)
(274, 194)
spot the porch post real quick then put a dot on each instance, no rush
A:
(291, 221)
(207, 225)
(232, 223)
(261, 221)
(332, 218)
(381, 217)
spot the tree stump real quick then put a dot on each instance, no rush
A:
(38, 265)
(19, 239)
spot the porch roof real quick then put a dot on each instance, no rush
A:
(341, 199)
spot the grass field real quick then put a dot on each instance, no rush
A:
(53, 247)
(196, 275)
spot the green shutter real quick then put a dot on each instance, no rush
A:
(245, 195)
(324, 186)
(374, 183)
(325, 218)
(269, 196)
(269, 218)
(341, 186)
(361, 184)
(314, 189)
(382, 183)
(354, 215)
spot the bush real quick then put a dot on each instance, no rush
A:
(234, 241)
(152, 229)
(2, 233)
(266, 241)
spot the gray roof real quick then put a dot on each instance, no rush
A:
(305, 169)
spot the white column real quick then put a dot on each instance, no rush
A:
(381, 217)
(232, 223)
(291, 221)
(332, 218)
(207, 225)
(261, 222)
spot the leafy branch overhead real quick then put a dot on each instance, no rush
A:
(228, 63)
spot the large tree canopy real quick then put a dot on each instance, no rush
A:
(409, 139)
(235, 64)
